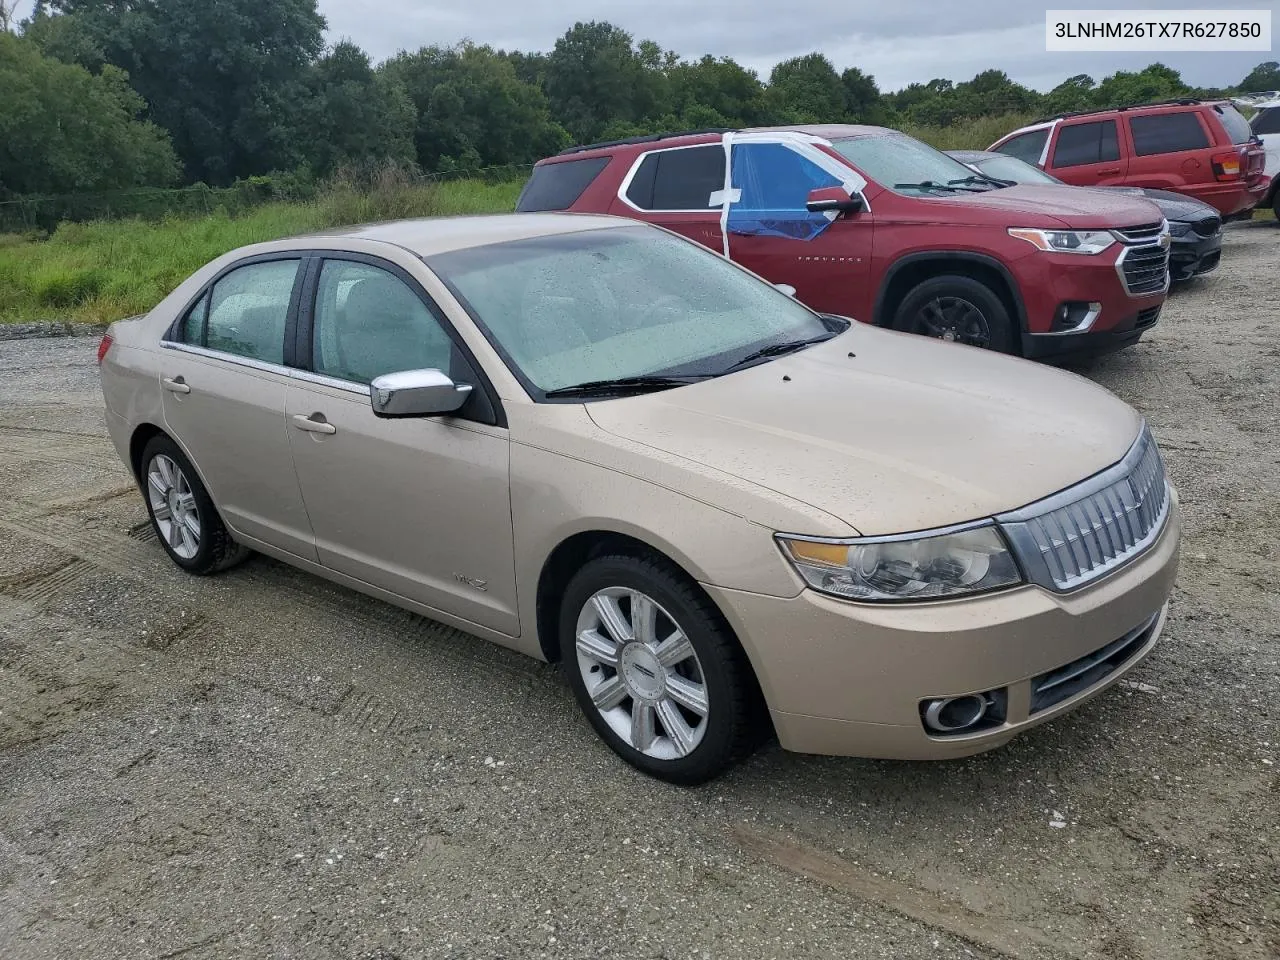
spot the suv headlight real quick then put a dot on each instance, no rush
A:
(1065, 241)
(911, 567)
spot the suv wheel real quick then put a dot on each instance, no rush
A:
(655, 669)
(959, 309)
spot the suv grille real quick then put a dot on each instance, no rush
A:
(1144, 269)
(1096, 526)
(1146, 233)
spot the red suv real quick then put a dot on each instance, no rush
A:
(1204, 150)
(868, 223)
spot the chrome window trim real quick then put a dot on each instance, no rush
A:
(262, 366)
(635, 167)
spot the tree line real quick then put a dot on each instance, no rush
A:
(109, 94)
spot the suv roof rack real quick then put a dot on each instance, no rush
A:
(651, 138)
(1178, 102)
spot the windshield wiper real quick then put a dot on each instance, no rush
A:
(980, 178)
(641, 384)
(931, 185)
(779, 349)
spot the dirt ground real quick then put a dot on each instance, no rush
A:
(261, 764)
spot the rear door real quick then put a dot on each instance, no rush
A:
(827, 258)
(1088, 153)
(679, 188)
(224, 383)
(1171, 150)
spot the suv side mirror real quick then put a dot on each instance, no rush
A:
(416, 393)
(834, 198)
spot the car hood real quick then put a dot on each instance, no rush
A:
(888, 432)
(1033, 204)
(1174, 206)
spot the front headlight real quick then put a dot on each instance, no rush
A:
(914, 567)
(1065, 241)
(1179, 228)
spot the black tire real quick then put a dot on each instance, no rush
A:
(731, 691)
(216, 550)
(947, 294)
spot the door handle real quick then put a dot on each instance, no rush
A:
(175, 385)
(311, 425)
(1109, 173)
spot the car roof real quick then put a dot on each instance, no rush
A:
(667, 141)
(427, 236)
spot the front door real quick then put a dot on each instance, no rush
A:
(223, 384)
(418, 506)
(826, 258)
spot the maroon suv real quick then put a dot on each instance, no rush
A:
(868, 223)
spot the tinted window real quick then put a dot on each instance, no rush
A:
(369, 322)
(1237, 126)
(557, 186)
(1026, 146)
(1167, 133)
(1082, 143)
(1266, 121)
(681, 179)
(627, 301)
(248, 309)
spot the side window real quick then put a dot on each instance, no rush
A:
(248, 308)
(557, 186)
(680, 179)
(191, 330)
(1026, 146)
(369, 322)
(1081, 143)
(1167, 133)
(1267, 121)
(773, 177)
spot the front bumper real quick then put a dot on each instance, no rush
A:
(1193, 255)
(848, 679)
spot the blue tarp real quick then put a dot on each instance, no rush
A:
(775, 182)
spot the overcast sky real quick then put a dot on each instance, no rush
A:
(898, 41)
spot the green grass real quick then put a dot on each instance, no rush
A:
(99, 272)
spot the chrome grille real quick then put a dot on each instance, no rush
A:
(1096, 526)
(1145, 269)
(1146, 233)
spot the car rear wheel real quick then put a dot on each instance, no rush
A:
(656, 669)
(182, 514)
(958, 309)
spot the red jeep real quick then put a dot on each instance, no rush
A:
(1204, 150)
(869, 223)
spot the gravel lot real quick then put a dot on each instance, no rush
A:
(261, 764)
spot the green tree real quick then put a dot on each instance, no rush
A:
(357, 116)
(715, 92)
(1154, 82)
(1263, 78)
(807, 90)
(227, 79)
(471, 108)
(595, 77)
(861, 96)
(1071, 95)
(64, 129)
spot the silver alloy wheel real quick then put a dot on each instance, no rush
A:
(174, 506)
(642, 673)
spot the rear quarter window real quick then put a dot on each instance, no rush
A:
(1168, 133)
(557, 186)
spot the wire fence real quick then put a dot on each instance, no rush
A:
(32, 213)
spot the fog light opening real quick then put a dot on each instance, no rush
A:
(955, 714)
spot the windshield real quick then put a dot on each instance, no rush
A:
(1011, 168)
(902, 164)
(623, 302)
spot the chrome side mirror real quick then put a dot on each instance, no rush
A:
(416, 393)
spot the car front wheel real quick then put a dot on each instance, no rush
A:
(959, 309)
(655, 668)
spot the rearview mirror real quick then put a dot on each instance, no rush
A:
(416, 393)
(833, 198)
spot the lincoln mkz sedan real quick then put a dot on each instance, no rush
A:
(596, 442)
